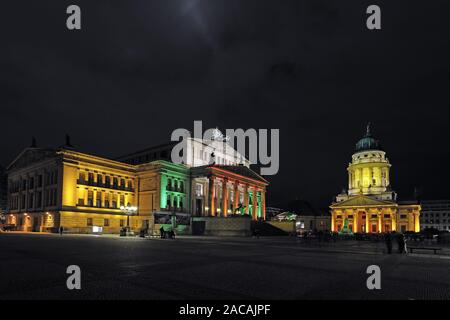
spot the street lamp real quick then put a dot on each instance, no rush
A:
(129, 210)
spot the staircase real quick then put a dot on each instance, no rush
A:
(267, 230)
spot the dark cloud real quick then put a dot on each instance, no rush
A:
(139, 69)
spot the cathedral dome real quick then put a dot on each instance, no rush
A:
(368, 142)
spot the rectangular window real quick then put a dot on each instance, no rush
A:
(98, 200)
(90, 198)
(30, 200)
(106, 222)
(91, 178)
(199, 189)
(403, 216)
(39, 199)
(122, 222)
(89, 222)
(106, 200)
(114, 201)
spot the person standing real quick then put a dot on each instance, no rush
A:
(401, 243)
(61, 230)
(388, 240)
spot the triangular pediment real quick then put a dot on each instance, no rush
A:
(362, 201)
(29, 156)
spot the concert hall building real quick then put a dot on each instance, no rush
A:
(84, 193)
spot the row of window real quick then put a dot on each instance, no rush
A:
(205, 156)
(174, 202)
(36, 199)
(111, 200)
(436, 221)
(175, 185)
(432, 215)
(90, 222)
(374, 216)
(50, 178)
(148, 157)
(104, 181)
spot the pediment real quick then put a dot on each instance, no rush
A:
(362, 201)
(30, 156)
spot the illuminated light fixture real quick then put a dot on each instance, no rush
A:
(207, 208)
(229, 210)
(218, 209)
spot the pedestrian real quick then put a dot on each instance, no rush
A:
(61, 230)
(388, 240)
(401, 243)
(161, 232)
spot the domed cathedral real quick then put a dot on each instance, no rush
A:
(370, 205)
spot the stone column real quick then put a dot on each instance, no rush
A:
(333, 223)
(367, 221)
(379, 222)
(236, 196)
(255, 204)
(355, 221)
(224, 197)
(263, 204)
(246, 199)
(416, 222)
(349, 180)
(394, 220)
(212, 195)
(85, 196)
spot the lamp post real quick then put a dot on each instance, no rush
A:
(129, 210)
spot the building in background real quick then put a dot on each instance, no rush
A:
(435, 214)
(49, 188)
(370, 205)
(271, 212)
(308, 218)
(3, 195)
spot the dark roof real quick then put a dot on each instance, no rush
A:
(302, 208)
(368, 142)
(150, 149)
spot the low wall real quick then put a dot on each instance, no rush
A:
(287, 226)
(219, 226)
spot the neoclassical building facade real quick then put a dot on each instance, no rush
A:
(370, 205)
(49, 188)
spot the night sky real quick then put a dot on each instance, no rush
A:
(140, 69)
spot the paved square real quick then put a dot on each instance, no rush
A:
(33, 266)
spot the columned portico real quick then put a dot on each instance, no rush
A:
(238, 185)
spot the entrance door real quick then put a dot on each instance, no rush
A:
(35, 226)
(198, 207)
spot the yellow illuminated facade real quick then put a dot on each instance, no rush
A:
(370, 205)
(83, 193)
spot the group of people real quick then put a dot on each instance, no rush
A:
(401, 242)
(166, 234)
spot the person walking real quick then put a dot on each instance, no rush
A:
(61, 230)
